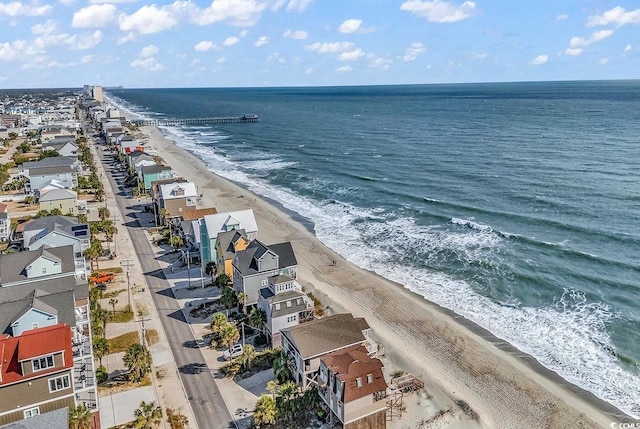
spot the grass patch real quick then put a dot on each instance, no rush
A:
(122, 342)
(114, 270)
(121, 316)
(318, 309)
(121, 384)
(112, 294)
(152, 336)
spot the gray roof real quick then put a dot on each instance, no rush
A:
(245, 260)
(13, 265)
(52, 161)
(36, 171)
(155, 168)
(282, 298)
(227, 238)
(16, 301)
(325, 335)
(56, 419)
(51, 223)
(58, 194)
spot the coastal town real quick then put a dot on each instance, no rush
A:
(134, 293)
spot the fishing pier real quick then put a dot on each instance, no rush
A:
(195, 121)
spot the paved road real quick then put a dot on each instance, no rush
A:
(208, 406)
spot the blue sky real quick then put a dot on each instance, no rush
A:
(249, 43)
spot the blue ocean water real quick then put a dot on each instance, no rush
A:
(516, 205)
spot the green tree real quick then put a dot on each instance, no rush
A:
(99, 195)
(218, 321)
(286, 401)
(112, 303)
(228, 297)
(177, 241)
(210, 270)
(222, 280)
(48, 154)
(273, 386)
(242, 299)
(280, 365)
(55, 212)
(265, 411)
(147, 416)
(100, 348)
(79, 417)
(94, 250)
(257, 317)
(29, 200)
(100, 315)
(103, 213)
(138, 360)
(229, 335)
(248, 355)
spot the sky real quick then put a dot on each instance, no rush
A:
(276, 43)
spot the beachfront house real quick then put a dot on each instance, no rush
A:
(176, 198)
(190, 224)
(151, 173)
(228, 244)
(211, 225)
(352, 385)
(305, 344)
(284, 305)
(253, 267)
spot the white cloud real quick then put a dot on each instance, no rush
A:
(10, 51)
(540, 59)
(297, 35)
(380, 63)
(350, 26)
(576, 44)
(148, 20)
(276, 57)
(221, 60)
(244, 33)
(86, 59)
(262, 40)
(81, 42)
(573, 51)
(150, 64)
(241, 13)
(479, 55)
(344, 69)
(350, 55)
(308, 71)
(617, 16)
(230, 41)
(603, 61)
(627, 48)
(67, 2)
(57, 64)
(195, 62)
(562, 17)
(148, 51)
(330, 47)
(126, 38)
(298, 5)
(97, 15)
(440, 11)
(412, 52)
(17, 8)
(204, 46)
(48, 27)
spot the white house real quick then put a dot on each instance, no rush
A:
(211, 225)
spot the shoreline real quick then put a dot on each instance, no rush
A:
(565, 404)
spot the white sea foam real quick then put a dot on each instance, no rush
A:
(569, 336)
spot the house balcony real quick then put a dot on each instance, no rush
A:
(371, 346)
(81, 347)
(88, 398)
(83, 375)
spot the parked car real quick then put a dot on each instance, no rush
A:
(236, 350)
(102, 277)
(101, 286)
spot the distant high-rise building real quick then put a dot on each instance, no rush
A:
(97, 94)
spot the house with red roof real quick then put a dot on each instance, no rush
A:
(352, 385)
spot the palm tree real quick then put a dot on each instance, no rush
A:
(229, 335)
(248, 355)
(79, 417)
(218, 321)
(94, 251)
(100, 348)
(103, 213)
(112, 303)
(147, 416)
(280, 364)
(100, 316)
(273, 386)
(265, 411)
(242, 298)
(228, 298)
(138, 360)
(257, 317)
(210, 270)
(222, 280)
(285, 402)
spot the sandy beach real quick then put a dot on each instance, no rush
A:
(454, 358)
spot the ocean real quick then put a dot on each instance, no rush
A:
(515, 205)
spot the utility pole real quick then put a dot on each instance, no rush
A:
(142, 320)
(189, 268)
(128, 263)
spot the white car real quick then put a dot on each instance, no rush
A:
(236, 350)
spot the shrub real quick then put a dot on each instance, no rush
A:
(101, 374)
(260, 340)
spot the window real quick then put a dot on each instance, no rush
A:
(369, 378)
(59, 383)
(31, 412)
(265, 282)
(277, 306)
(298, 301)
(35, 325)
(289, 304)
(358, 382)
(44, 270)
(42, 363)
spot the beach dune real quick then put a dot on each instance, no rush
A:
(494, 385)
